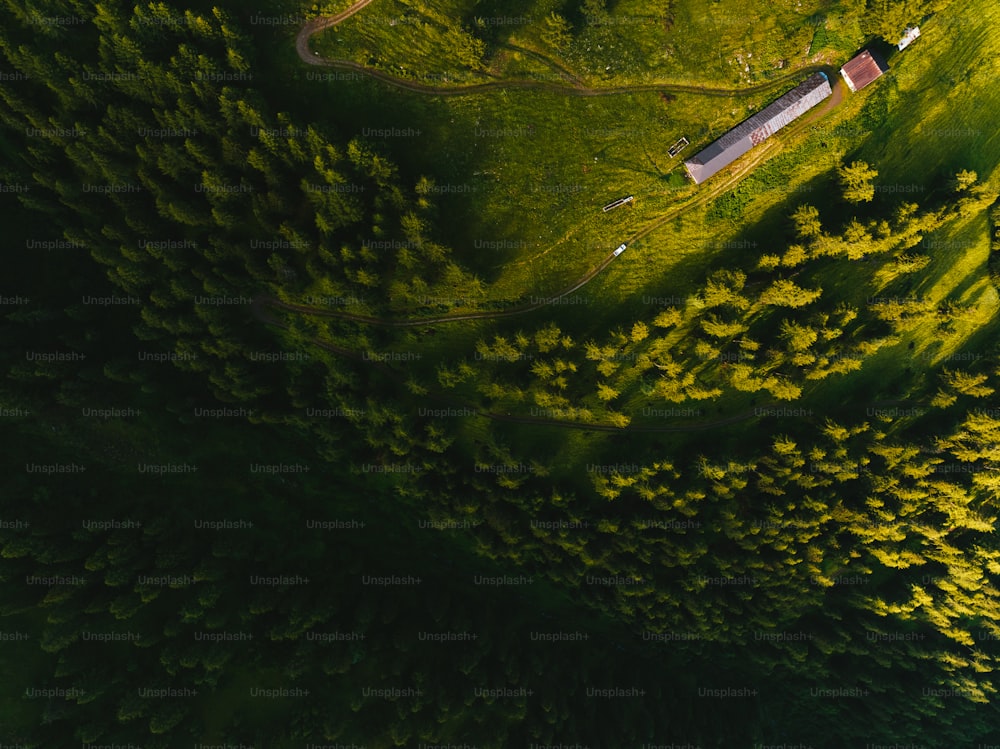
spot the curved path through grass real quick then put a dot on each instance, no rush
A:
(411, 322)
(317, 25)
(573, 87)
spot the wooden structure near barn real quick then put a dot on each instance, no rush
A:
(677, 147)
(620, 201)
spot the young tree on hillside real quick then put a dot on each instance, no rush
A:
(469, 50)
(782, 388)
(605, 392)
(717, 328)
(857, 238)
(593, 10)
(742, 377)
(856, 181)
(964, 180)
(724, 288)
(556, 33)
(795, 255)
(889, 18)
(967, 384)
(668, 318)
(904, 314)
(785, 293)
(806, 220)
(797, 337)
(548, 338)
(853, 8)
(768, 262)
(973, 197)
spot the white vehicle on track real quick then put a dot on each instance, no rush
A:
(620, 250)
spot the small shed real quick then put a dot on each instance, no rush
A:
(911, 33)
(862, 70)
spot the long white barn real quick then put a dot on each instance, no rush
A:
(758, 127)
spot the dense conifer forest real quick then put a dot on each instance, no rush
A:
(288, 464)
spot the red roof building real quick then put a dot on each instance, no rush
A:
(862, 70)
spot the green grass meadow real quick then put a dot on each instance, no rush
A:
(521, 175)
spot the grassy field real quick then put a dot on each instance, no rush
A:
(633, 42)
(530, 196)
(521, 176)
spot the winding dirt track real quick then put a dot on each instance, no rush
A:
(572, 87)
(317, 25)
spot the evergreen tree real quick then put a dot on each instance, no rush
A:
(856, 182)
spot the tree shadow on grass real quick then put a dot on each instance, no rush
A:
(501, 19)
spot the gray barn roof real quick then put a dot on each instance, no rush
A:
(758, 127)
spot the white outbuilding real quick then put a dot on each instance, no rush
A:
(911, 33)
